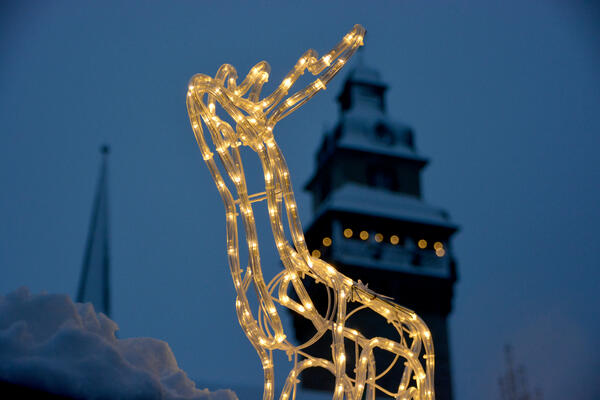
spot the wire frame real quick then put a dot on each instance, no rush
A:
(254, 119)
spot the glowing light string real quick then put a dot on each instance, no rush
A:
(254, 120)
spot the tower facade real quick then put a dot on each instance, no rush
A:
(371, 222)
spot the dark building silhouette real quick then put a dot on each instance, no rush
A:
(371, 222)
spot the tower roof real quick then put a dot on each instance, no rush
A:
(383, 203)
(365, 75)
(364, 121)
(378, 150)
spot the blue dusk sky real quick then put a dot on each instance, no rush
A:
(504, 98)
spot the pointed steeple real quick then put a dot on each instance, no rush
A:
(94, 285)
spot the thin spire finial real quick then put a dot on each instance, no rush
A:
(94, 282)
(360, 57)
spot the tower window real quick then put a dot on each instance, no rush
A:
(381, 175)
(368, 95)
(384, 134)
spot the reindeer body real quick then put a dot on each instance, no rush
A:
(255, 119)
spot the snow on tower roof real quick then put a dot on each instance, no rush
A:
(362, 130)
(382, 203)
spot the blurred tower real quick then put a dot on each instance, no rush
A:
(94, 282)
(513, 382)
(371, 221)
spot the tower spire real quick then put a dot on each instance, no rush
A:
(360, 57)
(94, 285)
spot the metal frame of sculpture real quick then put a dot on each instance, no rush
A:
(254, 120)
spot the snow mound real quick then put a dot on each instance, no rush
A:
(51, 343)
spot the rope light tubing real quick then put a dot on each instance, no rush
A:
(254, 119)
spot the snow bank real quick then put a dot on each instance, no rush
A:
(49, 342)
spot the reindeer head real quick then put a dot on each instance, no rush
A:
(254, 117)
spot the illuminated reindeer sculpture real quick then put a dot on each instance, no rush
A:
(254, 120)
